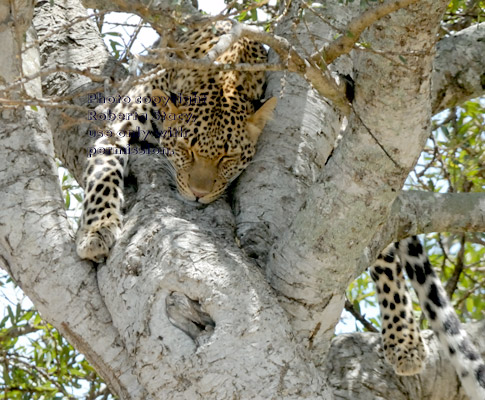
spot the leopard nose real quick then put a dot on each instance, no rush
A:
(199, 193)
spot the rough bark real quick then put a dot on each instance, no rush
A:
(36, 242)
(416, 212)
(459, 68)
(296, 145)
(119, 315)
(55, 25)
(361, 179)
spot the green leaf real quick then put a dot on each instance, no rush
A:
(76, 372)
(469, 305)
(67, 201)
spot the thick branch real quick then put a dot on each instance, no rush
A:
(357, 370)
(458, 69)
(360, 181)
(169, 246)
(416, 212)
(171, 249)
(294, 146)
(36, 245)
(66, 52)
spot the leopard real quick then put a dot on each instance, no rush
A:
(402, 343)
(206, 122)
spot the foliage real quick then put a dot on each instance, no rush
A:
(36, 362)
(463, 13)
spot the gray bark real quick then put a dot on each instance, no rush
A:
(121, 315)
(459, 68)
(359, 182)
(36, 242)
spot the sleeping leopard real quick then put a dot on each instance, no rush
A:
(206, 122)
(208, 143)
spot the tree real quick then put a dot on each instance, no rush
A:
(245, 330)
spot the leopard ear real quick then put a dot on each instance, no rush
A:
(165, 103)
(257, 121)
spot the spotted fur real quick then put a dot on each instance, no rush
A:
(403, 347)
(206, 151)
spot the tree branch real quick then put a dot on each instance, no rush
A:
(36, 245)
(319, 77)
(458, 68)
(458, 267)
(416, 212)
(188, 256)
(203, 64)
(164, 13)
(182, 250)
(68, 52)
(359, 182)
(15, 332)
(359, 317)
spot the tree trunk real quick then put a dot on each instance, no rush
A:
(183, 310)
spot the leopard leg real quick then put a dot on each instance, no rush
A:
(442, 318)
(403, 346)
(101, 219)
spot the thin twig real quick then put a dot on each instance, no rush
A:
(452, 283)
(15, 332)
(290, 60)
(359, 317)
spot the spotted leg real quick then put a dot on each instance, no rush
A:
(101, 219)
(442, 318)
(403, 346)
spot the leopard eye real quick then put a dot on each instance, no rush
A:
(182, 145)
(228, 158)
(183, 148)
(189, 153)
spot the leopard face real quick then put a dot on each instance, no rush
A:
(209, 146)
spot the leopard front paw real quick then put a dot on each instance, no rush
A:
(95, 242)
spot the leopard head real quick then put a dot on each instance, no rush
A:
(209, 146)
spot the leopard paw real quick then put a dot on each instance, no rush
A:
(95, 243)
(407, 358)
